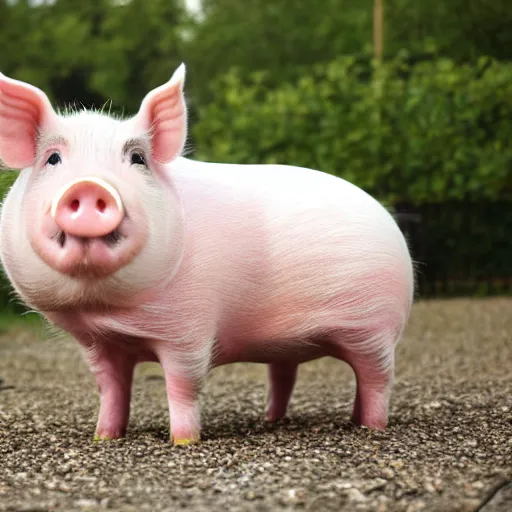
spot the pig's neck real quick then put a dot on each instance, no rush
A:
(142, 319)
(170, 313)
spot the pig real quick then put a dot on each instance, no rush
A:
(142, 254)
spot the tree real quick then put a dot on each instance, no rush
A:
(138, 48)
(283, 37)
(459, 29)
(90, 52)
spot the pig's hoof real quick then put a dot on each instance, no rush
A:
(106, 437)
(380, 424)
(186, 441)
(98, 438)
(273, 416)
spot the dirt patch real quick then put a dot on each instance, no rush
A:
(449, 442)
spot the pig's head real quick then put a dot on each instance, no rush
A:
(93, 219)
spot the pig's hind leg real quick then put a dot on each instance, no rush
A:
(373, 365)
(281, 380)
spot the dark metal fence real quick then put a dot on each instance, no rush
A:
(460, 248)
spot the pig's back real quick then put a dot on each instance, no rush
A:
(305, 247)
(276, 187)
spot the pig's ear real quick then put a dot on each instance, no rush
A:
(163, 114)
(25, 111)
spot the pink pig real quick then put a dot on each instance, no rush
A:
(143, 255)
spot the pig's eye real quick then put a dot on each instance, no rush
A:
(138, 159)
(54, 159)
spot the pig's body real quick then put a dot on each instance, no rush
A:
(308, 255)
(269, 264)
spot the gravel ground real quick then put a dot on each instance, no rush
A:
(448, 445)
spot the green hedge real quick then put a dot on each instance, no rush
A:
(428, 132)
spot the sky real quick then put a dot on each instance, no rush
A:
(193, 5)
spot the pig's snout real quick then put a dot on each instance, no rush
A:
(86, 233)
(87, 208)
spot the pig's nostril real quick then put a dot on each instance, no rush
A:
(101, 205)
(75, 205)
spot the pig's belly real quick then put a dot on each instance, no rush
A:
(349, 282)
(268, 351)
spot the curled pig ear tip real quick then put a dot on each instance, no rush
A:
(6, 78)
(179, 74)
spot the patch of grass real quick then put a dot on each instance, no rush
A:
(9, 321)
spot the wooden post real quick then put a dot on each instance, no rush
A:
(378, 39)
(376, 83)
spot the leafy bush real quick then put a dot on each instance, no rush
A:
(428, 132)
(430, 136)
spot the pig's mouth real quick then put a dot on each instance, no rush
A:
(111, 239)
(88, 257)
(91, 257)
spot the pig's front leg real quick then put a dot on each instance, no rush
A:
(185, 371)
(113, 371)
(183, 398)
